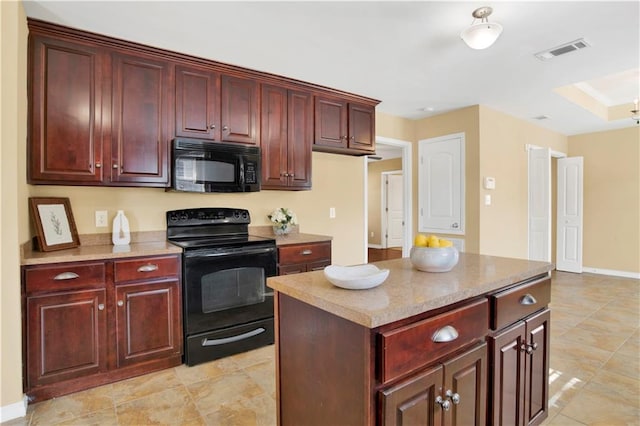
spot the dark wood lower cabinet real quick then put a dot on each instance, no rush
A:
(67, 336)
(451, 393)
(148, 317)
(90, 323)
(297, 258)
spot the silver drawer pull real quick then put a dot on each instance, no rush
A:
(225, 340)
(66, 276)
(445, 334)
(528, 299)
(306, 252)
(148, 268)
(444, 403)
(101, 307)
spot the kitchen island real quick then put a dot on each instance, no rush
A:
(469, 346)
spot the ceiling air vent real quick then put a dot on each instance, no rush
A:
(563, 49)
(541, 117)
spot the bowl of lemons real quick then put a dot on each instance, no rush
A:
(432, 254)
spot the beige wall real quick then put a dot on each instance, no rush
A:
(504, 224)
(395, 127)
(374, 196)
(465, 121)
(12, 193)
(611, 198)
(337, 179)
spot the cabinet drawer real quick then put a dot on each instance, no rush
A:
(304, 253)
(65, 277)
(516, 303)
(145, 268)
(414, 345)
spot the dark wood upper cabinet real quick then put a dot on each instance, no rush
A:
(66, 86)
(197, 103)
(103, 112)
(344, 127)
(239, 110)
(287, 132)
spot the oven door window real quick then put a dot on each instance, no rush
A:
(231, 288)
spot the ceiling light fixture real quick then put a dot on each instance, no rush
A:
(482, 34)
(635, 112)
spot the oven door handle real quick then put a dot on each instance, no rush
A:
(230, 252)
(224, 341)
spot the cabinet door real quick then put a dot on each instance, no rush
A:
(239, 110)
(65, 108)
(292, 269)
(197, 103)
(300, 139)
(413, 401)
(465, 383)
(139, 139)
(361, 128)
(330, 123)
(66, 336)
(508, 365)
(149, 323)
(274, 137)
(537, 368)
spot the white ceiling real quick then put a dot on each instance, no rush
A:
(406, 54)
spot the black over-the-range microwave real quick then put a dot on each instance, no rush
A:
(205, 166)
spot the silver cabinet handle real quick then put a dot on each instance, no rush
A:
(225, 340)
(306, 252)
(445, 334)
(454, 397)
(120, 303)
(115, 166)
(148, 268)
(444, 403)
(66, 276)
(225, 128)
(528, 299)
(213, 126)
(528, 348)
(290, 174)
(101, 307)
(98, 165)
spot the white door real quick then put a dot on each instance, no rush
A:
(441, 184)
(393, 210)
(569, 249)
(540, 204)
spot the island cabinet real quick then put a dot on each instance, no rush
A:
(519, 352)
(94, 322)
(344, 127)
(215, 106)
(298, 258)
(287, 137)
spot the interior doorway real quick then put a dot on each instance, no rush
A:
(389, 148)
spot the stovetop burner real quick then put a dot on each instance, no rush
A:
(211, 227)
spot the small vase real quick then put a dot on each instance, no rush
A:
(281, 229)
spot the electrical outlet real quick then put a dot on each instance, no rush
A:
(332, 212)
(371, 234)
(101, 219)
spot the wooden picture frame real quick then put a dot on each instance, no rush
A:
(53, 220)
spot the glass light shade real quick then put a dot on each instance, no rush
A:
(481, 35)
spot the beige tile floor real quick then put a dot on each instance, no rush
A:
(594, 375)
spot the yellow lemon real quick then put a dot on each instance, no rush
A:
(445, 243)
(420, 240)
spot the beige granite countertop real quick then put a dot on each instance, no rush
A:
(407, 291)
(294, 237)
(99, 247)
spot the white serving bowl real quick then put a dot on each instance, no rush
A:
(357, 277)
(431, 259)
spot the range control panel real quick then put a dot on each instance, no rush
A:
(208, 216)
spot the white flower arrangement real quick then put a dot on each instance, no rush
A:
(282, 218)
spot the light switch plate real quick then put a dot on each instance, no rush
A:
(332, 212)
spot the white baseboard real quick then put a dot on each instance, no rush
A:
(13, 411)
(624, 274)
